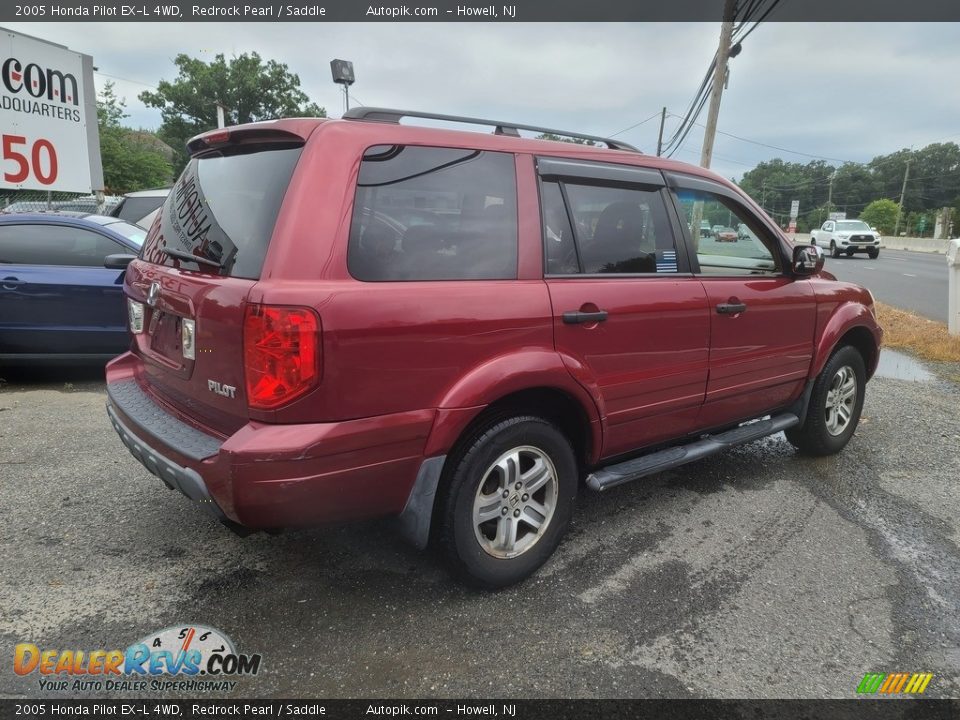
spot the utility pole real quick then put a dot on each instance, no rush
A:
(903, 191)
(830, 192)
(719, 78)
(663, 119)
(221, 118)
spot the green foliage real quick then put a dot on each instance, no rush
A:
(249, 88)
(132, 159)
(934, 182)
(560, 138)
(881, 214)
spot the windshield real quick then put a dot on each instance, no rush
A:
(852, 225)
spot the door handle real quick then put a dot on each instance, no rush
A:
(11, 283)
(574, 317)
(731, 308)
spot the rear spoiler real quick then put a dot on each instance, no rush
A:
(293, 132)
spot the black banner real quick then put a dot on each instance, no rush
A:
(466, 11)
(853, 709)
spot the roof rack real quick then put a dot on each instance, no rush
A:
(500, 128)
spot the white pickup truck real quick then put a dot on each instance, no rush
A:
(847, 236)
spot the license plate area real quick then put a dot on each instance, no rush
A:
(165, 336)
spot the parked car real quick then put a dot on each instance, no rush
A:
(547, 326)
(725, 234)
(847, 236)
(61, 296)
(141, 207)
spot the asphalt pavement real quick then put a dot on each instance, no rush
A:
(913, 281)
(757, 573)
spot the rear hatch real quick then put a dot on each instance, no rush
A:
(201, 259)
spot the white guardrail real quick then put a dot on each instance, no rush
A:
(953, 304)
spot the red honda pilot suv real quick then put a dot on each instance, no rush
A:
(343, 319)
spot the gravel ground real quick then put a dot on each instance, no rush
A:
(757, 573)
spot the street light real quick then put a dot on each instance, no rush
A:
(342, 71)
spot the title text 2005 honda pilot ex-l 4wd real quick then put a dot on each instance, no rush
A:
(342, 319)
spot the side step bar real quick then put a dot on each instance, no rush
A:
(613, 475)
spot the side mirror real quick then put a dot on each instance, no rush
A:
(118, 261)
(807, 260)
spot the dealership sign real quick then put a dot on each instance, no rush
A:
(48, 117)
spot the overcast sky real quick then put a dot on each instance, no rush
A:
(837, 91)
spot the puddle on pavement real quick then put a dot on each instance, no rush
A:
(898, 366)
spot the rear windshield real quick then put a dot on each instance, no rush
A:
(222, 211)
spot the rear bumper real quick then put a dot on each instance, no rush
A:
(273, 476)
(186, 480)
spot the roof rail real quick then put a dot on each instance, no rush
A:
(500, 128)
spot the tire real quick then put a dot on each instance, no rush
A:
(874, 254)
(823, 432)
(834, 251)
(849, 253)
(483, 553)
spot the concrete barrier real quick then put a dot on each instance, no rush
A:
(928, 245)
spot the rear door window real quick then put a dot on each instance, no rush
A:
(428, 213)
(617, 230)
(222, 211)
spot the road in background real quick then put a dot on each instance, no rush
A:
(908, 280)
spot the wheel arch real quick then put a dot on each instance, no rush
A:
(533, 383)
(851, 324)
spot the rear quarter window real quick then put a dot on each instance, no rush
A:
(223, 209)
(427, 213)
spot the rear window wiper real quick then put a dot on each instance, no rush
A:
(180, 254)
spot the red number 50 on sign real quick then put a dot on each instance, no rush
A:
(42, 161)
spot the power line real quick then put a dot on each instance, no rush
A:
(718, 157)
(613, 135)
(123, 79)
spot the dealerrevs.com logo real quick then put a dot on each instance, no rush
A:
(44, 91)
(187, 658)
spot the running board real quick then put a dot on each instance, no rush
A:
(613, 475)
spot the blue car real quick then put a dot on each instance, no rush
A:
(61, 285)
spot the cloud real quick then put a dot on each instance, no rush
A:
(841, 90)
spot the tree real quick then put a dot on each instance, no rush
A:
(132, 159)
(249, 89)
(881, 214)
(558, 138)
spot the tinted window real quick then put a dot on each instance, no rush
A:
(425, 213)
(559, 245)
(133, 209)
(617, 230)
(54, 245)
(223, 208)
(736, 243)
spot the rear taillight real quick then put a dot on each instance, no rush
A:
(281, 353)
